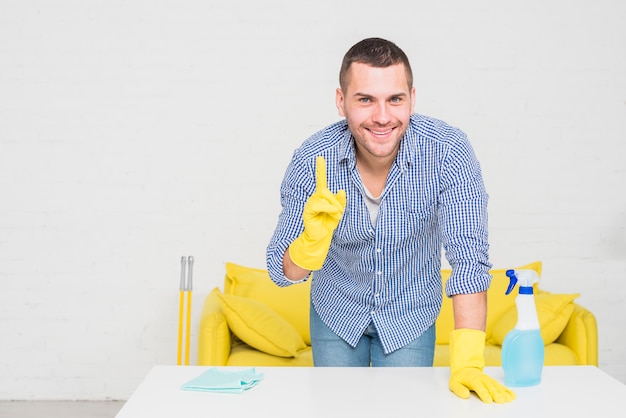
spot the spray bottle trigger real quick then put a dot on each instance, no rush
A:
(513, 281)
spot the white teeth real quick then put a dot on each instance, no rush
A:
(381, 133)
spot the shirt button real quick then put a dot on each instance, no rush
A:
(379, 273)
(377, 295)
(378, 250)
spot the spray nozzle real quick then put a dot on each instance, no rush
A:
(526, 280)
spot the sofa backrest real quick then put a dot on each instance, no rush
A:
(293, 302)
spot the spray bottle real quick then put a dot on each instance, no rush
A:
(522, 348)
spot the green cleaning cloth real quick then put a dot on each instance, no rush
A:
(220, 380)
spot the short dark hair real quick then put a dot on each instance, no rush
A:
(375, 52)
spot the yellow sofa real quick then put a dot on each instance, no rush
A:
(256, 323)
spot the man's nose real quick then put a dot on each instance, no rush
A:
(381, 114)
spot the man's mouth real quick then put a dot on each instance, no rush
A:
(381, 133)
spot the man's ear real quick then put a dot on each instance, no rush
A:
(339, 101)
(412, 100)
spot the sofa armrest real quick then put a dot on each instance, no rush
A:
(581, 335)
(214, 336)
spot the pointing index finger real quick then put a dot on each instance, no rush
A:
(320, 174)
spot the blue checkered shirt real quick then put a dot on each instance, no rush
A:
(389, 273)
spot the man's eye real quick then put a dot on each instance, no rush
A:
(396, 99)
(364, 100)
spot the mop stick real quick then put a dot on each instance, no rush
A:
(183, 262)
(189, 291)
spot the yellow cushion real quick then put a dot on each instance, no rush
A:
(243, 355)
(559, 355)
(553, 311)
(260, 327)
(291, 302)
(497, 302)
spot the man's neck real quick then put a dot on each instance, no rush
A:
(374, 171)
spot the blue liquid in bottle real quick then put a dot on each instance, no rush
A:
(522, 358)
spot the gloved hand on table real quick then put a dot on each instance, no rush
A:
(467, 359)
(322, 213)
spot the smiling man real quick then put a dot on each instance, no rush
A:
(368, 203)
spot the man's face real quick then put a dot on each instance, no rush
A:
(377, 104)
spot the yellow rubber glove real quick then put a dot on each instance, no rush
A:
(467, 359)
(322, 213)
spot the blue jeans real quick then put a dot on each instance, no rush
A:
(329, 350)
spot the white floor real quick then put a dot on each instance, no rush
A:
(59, 409)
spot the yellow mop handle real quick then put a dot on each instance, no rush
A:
(189, 289)
(181, 311)
(187, 328)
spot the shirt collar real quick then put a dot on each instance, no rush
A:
(347, 153)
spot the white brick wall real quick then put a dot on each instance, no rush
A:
(133, 133)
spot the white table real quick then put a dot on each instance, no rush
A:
(565, 391)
